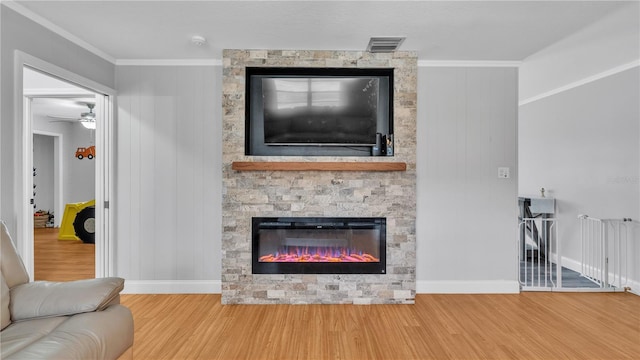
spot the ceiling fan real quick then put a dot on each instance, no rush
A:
(87, 119)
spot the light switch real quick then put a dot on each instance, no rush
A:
(503, 173)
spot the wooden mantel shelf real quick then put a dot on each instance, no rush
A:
(317, 166)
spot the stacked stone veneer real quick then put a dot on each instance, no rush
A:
(318, 193)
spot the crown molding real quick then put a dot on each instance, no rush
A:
(56, 29)
(575, 84)
(468, 63)
(57, 92)
(169, 62)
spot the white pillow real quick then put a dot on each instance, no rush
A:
(5, 315)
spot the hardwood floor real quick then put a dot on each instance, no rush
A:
(525, 326)
(61, 260)
(531, 325)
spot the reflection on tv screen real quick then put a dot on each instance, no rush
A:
(320, 110)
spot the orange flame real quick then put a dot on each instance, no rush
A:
(296, 254)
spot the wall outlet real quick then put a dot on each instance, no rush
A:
(503, 173)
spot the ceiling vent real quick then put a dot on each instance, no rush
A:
(384, 44)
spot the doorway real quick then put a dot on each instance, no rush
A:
(101, 173)
(58, 131)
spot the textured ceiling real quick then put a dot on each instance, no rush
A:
(437, 30)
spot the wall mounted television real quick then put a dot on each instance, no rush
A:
(317, 111)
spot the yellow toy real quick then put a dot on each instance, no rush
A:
(69, 225)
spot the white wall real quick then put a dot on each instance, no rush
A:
(579, 129)
(169, 182)
(20, 33)
(43, 163)
(81, 178)
(169, 179)
(467, 216)
(582, 146)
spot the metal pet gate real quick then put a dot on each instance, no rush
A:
(540, 260)
(609, 256)
(540, 254)
(610, 252)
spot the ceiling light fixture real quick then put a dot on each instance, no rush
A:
(89, 124)
(198, 40)
(384, 44)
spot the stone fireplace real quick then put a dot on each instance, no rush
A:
(390, 195)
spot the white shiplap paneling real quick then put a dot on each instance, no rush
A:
(165, 149)
(125, 248)
(168, 173)
(467, 217)
(145, 206)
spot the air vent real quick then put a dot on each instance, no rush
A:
(384, 44)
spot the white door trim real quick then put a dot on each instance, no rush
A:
(104, 188)
(25, 213)
(24, 176)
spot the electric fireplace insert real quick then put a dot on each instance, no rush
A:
(318, 245)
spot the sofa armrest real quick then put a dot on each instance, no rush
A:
(46, 299)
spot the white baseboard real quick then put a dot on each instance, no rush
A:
(172, 287)
(422, 287)
(569, 263)
(468, 287)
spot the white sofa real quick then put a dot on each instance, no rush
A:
(60, 320)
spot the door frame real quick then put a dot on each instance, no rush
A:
(105, 102)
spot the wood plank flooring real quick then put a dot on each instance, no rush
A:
(61, 260)
(526, 326)
(531, 325)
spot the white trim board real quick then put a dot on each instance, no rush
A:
(468, 287)
(423, 287)
(218, 62)
(172, 287)
(55, 71)
(468, 63)
(77, 92)
(587, 80)
(169, 62)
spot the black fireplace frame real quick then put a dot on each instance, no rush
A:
(319, 223)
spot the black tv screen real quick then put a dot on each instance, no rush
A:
(332, 108)
(320, 110)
